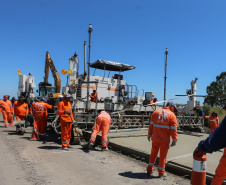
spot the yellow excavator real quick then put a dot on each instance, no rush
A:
(45, 88)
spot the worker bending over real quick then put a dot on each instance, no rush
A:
(41, 116)
(215, 142)
(94, 96)
(102, 123)
(20, 109)
(214, 121)
(66, 119)
(7, 110)
(163, 125)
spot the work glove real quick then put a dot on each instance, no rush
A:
(197, 153)
(67, 112)
(149, 137)
(173, 143)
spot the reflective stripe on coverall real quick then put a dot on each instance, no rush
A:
(66, 122)
(20, 110)
(163, 125)
(214, 122)
(102, 123)
(7, 109)
(41, 116)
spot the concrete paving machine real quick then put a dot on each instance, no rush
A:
(127, 108)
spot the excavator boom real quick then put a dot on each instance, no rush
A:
(49, 64)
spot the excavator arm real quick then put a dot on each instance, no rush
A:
(49, 64)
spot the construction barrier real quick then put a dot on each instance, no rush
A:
(198, 176)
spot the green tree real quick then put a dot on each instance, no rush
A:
(217, 91)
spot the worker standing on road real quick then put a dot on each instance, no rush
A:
(41, 116)
(94, 96)
(214, 121)
(20, 109)
(162, 127)
(102, 123)
(215, 142)
(7, 110)
(66, 119)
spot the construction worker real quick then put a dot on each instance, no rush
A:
(162, 127)
(41, 116)
(213, 143)
(21, 109)
(214, 121)
(152, 102)
(66, 119)
(94, 96)
(102, 123)
(7, 110)
(198, 111)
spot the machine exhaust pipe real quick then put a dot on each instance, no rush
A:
(84, 57)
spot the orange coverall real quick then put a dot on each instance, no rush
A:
(214, 122)
(20, 110)
(41, 116)
(162, 127)
(152, 102)
(102, 123)
(220, 173)
(66, 122)
(94, 97)
(7, 109)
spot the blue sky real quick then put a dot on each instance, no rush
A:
(135, 32)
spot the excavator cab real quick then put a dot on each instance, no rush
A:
(45, 90)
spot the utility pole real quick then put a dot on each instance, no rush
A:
(166, 52)
(88, 79)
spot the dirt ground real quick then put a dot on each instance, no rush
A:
(36, 163)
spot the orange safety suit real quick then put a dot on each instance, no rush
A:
(66, 122)
(214, 122)
(7, 109)
(152, 102)
(220, 173)
(32, 108)
(20, 110)
(94, 97)
(102, 123)
(41, 116)
(162, 127)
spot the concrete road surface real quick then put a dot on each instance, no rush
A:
(25, 162)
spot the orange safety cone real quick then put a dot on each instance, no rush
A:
(34, 134)
(198, 176)
(11, 121)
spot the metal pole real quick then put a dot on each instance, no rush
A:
(84, 57)
(166, 52)
(87, 103)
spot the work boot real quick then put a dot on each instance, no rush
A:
(162, 176)
(66, 148)
(105, 149)
(90, 145)
(149, 173)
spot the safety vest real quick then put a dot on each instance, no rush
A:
(62, 106)
(163, 125)
(20, 109)
(40, 109)
(214, 122)
(6, 106)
